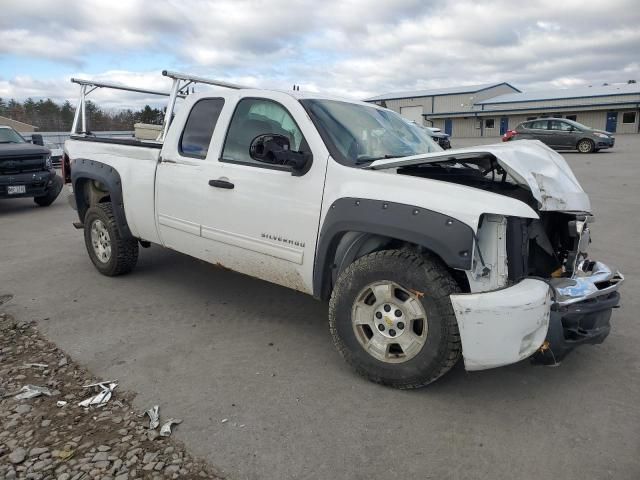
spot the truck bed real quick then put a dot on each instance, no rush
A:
(134, 162)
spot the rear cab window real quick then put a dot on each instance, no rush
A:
(198, 130)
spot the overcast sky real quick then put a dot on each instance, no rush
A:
(353, 48)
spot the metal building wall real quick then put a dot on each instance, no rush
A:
(465, 101)
(395, 105)
(628, 127)
(562, 102)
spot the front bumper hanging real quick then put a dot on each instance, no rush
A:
(535, 318)
(582, 310)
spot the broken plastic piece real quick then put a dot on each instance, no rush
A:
(101, 398)
(224, 420)
(66, 453)
(60, 403)
(32, 391)
(165, 430)
(36, 365)
(99, 384)
(154, 416)
(5, 298)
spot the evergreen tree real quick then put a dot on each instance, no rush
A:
(50, 116)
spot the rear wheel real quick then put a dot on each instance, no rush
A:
(391, 318)
(110, 253)
(586, 146)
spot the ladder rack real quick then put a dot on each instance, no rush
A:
(181, 82)
(88, 86)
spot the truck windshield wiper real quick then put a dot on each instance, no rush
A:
(362, 160)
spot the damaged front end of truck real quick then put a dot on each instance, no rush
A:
(533, 289)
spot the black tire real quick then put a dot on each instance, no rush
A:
(586, 146)
(431, 282)
(124, 251)
(51, 194)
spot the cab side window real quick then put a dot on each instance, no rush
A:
(198, 130)
(539, 125)
(255, 117)
(558, 125)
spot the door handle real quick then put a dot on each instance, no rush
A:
(221, 184)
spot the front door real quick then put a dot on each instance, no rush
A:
(612, 122)
(561, 134)
(504, 125)
(448, 126)
(261, 219)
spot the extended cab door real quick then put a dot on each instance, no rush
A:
(263, 218)
(182, 191)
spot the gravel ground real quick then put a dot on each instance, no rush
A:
(41, 440)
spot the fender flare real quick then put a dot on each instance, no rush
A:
(447, 237)
(84, 169)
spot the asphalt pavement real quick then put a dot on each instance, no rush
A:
(208, 344)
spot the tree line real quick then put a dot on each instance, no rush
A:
(50, 116)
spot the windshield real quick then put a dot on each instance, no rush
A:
(358, 134)
(8, 135)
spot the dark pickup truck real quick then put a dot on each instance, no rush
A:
(26, 170)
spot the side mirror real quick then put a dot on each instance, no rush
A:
(276, 150)
(36, 139)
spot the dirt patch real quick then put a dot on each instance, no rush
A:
(40, 440)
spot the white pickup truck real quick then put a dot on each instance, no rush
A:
(424, 255)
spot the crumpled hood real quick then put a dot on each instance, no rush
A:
(529, 162)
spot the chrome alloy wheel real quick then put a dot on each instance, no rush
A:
(101, 241)
(389, 321)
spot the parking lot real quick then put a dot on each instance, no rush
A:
(208, 344)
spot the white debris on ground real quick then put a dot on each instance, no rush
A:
(45, 434)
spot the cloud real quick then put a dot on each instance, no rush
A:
(353, 48)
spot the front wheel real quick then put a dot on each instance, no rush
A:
(110, 253)
(586, 146)
(391, 318)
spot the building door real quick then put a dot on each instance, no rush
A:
(612, 121)
(504, 125)
(413, 114)
(448, 126)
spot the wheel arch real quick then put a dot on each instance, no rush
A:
(356, 227)
(96, 182)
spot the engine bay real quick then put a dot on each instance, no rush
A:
(551, 246)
